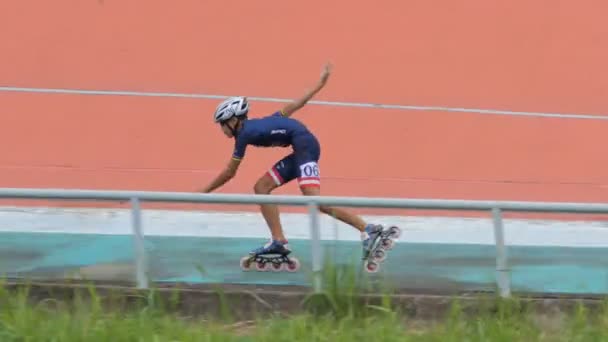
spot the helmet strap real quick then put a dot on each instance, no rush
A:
(233, 130)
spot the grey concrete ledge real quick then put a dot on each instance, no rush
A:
(249, 302)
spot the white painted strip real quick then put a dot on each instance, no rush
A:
(274, 176)
(309, 181)
(251, 225)
(313, 102)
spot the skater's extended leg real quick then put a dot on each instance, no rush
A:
(369, 232)
(340, 214)
(264, 186)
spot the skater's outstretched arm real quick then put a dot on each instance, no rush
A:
(294, 106)
(226, 175)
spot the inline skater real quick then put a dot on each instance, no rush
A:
(281, 130)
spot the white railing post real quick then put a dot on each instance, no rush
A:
(315, 246)
(502, 270)
(138, 242)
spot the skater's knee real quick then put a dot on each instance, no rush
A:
(263, 187)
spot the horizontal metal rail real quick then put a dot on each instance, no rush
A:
(293, 200)
(495, 208)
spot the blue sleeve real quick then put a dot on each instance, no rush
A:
(240, 145)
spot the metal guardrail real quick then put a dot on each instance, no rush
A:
(313, 202)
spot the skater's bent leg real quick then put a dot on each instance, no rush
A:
(264, 186)
(340, 214)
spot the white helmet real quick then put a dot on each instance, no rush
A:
(231, 107)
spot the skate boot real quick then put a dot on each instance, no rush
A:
(369, 238)
(271, 257)
(376, 242)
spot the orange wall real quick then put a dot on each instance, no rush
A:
(544, 56)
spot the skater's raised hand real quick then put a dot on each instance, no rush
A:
(291, 108)
(325, 73)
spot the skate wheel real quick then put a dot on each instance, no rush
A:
(387, 244)
(293, 265)
(246, 263)
(372, 267)
(394, 232)
(379, 255)
(276, 267)
(261, 266)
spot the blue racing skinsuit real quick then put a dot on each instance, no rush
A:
(278, 130)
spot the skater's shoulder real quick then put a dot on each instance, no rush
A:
(252, 128)
(264, 123)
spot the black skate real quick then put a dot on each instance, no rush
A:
(271, 257)
(380, 242)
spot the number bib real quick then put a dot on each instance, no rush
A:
(309, 174)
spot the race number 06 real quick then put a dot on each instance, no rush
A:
(310, 170)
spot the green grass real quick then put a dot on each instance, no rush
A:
(87, 320)
(337, 314)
